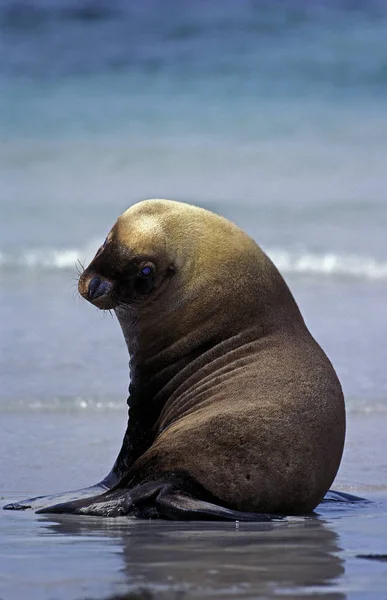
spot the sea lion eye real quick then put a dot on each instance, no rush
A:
(146, 271)
(144, 279)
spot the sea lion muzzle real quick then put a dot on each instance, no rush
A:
(98, 287)
(97, 290)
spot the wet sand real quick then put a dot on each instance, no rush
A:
(84, 557)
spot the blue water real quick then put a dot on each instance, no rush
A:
(272, 113)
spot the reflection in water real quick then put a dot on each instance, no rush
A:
(180, 560)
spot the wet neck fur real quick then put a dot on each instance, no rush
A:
(164, 343)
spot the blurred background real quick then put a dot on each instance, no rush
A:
(272, 113)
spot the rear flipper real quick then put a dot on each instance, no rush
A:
(333, 496)
(175, 505)
(161, 500)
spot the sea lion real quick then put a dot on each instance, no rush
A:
(235, 412)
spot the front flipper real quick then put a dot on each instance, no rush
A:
(113, 503)
(40, 502)
(136, 440)
(333, 496)
(155, 500)
(43, 501)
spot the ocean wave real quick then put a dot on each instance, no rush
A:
(98, 405)
(301, 264)
(49, 258)
(63, 405)
(329, 265)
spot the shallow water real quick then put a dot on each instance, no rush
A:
(78, 558)
(86, 557)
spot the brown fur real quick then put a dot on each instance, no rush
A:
(227, 383)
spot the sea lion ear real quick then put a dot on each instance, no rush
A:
(101, 248)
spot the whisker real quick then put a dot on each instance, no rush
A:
(79, 266)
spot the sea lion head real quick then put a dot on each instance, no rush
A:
(180, 272)
(132, 267)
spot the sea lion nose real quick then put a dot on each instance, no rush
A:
(98, 287)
